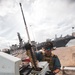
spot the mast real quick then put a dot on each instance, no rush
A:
(25, 24)
(20, 40)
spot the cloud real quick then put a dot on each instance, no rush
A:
(6, 43)
(52, 14)
(6, 7)
(47, 17)
(71, 1)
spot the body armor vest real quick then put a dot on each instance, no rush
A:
(49, 60)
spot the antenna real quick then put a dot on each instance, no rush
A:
(25, 24)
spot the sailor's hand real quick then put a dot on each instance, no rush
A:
(37, 62)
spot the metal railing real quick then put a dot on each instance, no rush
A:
(65, 70)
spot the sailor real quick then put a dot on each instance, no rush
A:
(52, 59)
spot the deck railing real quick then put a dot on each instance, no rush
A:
(67, 71)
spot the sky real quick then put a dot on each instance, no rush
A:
(44, 19)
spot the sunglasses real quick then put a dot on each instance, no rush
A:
(48, 49)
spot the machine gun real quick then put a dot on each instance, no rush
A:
(31, 54)
(34, 69)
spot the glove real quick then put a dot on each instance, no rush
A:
(49, 73)
(27, 46)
